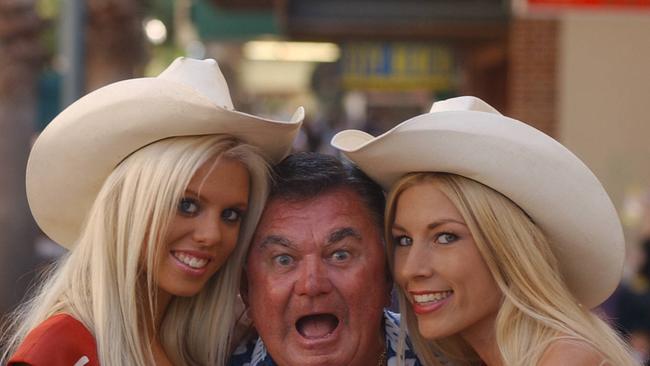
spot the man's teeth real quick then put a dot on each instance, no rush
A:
(431, 297)
(191, 261)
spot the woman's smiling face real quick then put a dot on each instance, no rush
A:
(205, 227)
(439, 267)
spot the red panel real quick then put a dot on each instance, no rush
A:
(592, 3)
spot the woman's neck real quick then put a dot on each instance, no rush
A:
(163, 299)
(152, 321)
(154, 324)
(159, 355)
(482, 338)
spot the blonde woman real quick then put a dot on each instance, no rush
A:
(500, 239)
(155, 186)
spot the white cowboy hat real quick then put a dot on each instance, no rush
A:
(467, 137)
(79, 149)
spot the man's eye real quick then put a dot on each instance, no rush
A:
(402, 241)
(283, 260)
(446, 238)
(341, 255)
(188, 206)
(231, 215)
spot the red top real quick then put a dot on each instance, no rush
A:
(61, 340)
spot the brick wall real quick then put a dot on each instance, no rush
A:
(532, 81)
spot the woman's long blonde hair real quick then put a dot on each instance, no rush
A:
(537, 307)
(102, 283)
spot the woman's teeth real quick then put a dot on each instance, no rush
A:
(191, 261)
(431, 297)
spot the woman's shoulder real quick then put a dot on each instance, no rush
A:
(59, 340)
(572, 352)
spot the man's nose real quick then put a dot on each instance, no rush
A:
(314, 277)
(207, 230)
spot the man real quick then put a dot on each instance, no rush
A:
(316, 280)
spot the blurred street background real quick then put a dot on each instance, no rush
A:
(578, 70)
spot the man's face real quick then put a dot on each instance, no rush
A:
(317, 281)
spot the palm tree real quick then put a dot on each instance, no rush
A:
(115, 47)
(21, 59)
(114, 51)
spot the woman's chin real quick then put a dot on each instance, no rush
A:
(432, 331)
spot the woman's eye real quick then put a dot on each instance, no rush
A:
(402, 241)
(283, 260)
(341, 255)
(446, 238)
(230, 215)
(188, 206)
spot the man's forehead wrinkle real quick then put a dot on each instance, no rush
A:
(307, 224)
(290, 204)
(344, 195)
(280, 213)
(342, 233)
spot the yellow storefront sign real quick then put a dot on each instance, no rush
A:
(397, 66)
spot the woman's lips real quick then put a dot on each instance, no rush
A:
(426, 302)
(192, 263)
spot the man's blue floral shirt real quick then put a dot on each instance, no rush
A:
(253, 352)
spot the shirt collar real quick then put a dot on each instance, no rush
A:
(260, 357)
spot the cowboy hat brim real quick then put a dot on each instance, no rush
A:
(559, 193)
(80, 148)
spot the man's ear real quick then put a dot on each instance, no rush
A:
(243, 287)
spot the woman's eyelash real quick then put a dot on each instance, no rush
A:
(402, 240)
(446, 238)
(232, 214)
(188, 206)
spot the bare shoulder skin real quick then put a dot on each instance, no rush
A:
(569, 352)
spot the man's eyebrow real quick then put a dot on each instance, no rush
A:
(275, 240)
(342, 233)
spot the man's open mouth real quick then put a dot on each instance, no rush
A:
(317, 325)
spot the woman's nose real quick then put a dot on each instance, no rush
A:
(207, 230)
(418, 262)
